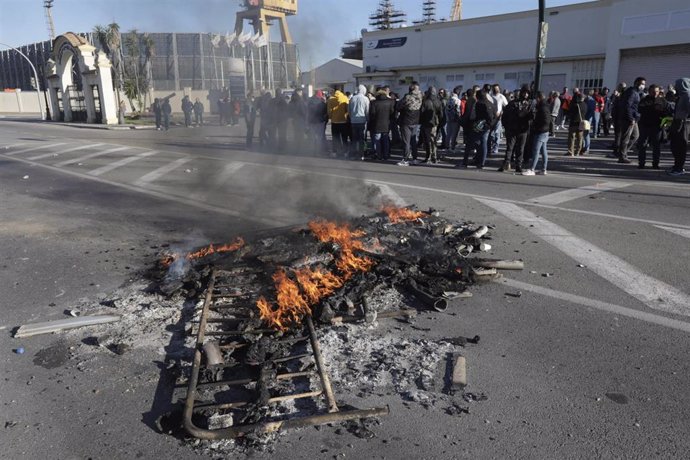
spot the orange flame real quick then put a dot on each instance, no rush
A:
(402, 214)
(203, 252)
(295, 298)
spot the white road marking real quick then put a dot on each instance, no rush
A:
(120, 163)
(577, 193)
(39, 147)
(599, 305)
(73, 149)
(678, 231)
(653, 293)
(161, 195)
(89, 156)
(163, 170)
(229, 169)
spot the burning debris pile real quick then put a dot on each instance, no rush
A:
(258, 365)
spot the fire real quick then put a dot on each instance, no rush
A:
(402, 214)
(294, 299)
(203, 252)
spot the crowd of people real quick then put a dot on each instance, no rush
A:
(471, 124)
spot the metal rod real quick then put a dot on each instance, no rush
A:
(270, 427)
(499, 264)
(325, 381)
(290, 376)
(234, 405)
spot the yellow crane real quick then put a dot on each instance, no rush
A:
(456, 12)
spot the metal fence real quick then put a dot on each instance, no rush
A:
(181, 60)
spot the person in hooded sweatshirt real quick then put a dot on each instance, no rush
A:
(409, 108)
(359, 112)
(337, 108)
(516, 120)
(679, 133)
(381, 117)
(430, 117)
(576, 134)
(317, 119)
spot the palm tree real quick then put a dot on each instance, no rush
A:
(149, 53)
(109, 39)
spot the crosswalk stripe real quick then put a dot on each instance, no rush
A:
(678, 231)
(229, 169)
(31, 149)
(73, 149)
(120, 163)
(599, 305)
(577, 193)
(89, 156)
(163, 170)
(652, 292)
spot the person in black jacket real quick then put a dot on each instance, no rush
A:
(517, 117)
(317, 119)
(540, 133)
(652, 108)
(479, 121)
(298, 115)
(628, 118)
(158, 112)
(381, 115)
(409, 107)
(576, 132)
(430, 117)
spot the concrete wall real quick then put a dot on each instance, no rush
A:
(21, 102)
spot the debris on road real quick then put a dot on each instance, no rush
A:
(29, 330)
(19, 351)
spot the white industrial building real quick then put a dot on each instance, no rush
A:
(590, 45)
(337, 72)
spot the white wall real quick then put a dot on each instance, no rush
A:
(575, 31)
(646, 25)
(332, 72)
(21, 102)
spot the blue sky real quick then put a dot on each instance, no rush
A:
(320, 28)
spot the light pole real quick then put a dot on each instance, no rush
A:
(541, 45)
(38, 84)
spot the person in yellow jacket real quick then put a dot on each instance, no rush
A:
(337, 107)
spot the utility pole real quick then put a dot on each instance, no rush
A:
(541, 45)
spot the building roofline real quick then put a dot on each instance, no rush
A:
(494, 18)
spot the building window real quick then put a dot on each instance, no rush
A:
(510, 76)
(488, 77)
(588, 74)
(459, 78)
(479, 77)
(450, 78)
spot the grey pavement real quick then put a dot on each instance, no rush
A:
(86, 211)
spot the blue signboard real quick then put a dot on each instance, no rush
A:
(386, 43)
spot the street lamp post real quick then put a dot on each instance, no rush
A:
(541, 45)
(38, 84)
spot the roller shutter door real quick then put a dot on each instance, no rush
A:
(661, 65)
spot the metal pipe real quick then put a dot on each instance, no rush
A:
(541, 46)
(325, 381)
(499, 264)
(38, 84)
(437, 303)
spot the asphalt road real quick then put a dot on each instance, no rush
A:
(590, 362)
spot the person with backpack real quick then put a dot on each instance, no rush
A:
(578, 124)
(430, 117)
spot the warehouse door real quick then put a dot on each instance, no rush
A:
(555, 82)
(661, 65)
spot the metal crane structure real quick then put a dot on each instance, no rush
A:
(428, 12)
(456, 11)
(386, 16)
(261, 12)
(47, 7)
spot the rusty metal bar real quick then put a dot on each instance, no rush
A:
(293, 375)
(325, 381)
(233, 405)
